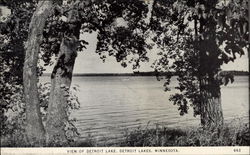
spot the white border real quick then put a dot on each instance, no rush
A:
(236, 150)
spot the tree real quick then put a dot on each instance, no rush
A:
(61, 77)
(35, 129)
(14, 32)
(192, 36)
(118, 37)
(61, 38)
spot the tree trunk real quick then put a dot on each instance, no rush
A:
(34, 129)
(60, 84)
(248, 27)
(211, 109)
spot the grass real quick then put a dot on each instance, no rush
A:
(229, 135)
(232, 134)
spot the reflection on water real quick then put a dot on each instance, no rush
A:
(111, 104)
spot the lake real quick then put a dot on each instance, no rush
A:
(112, 104)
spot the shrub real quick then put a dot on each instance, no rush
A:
(13, 116)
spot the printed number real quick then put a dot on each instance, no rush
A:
(237, 150)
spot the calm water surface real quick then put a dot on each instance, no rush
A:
(111, 104)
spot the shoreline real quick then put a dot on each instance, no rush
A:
(235, 73)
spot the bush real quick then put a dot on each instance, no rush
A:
(13, 115)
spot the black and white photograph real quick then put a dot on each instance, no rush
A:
(124, 74)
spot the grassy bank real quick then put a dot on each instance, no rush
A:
(233, 134)
(161, 136)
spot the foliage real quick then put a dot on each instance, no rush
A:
(196, 38)
(152, 137)
(88, 142)
(126, 42)
(13, 126)
(13, 33)
(230, 135)
(13, 118)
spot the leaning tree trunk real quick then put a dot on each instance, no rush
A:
(60, 84)
(211, 108)
(248, 27)
(34, 129)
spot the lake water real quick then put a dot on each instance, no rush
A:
(111, 104)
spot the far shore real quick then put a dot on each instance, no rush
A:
(236, 73)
